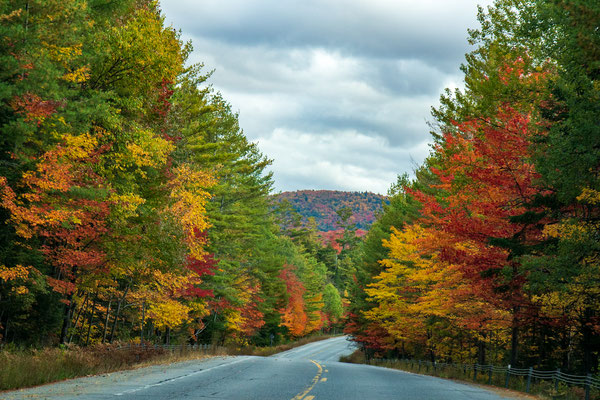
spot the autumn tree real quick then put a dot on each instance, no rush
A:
(508, 198)
(402, 209)
(91, 188)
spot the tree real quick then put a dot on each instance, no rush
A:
(294, 315)
(402, 209)
(332, 306)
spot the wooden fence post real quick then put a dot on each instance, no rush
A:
(555, 378)
(490, 372)
(588, 384)
(529, 379)
(507, 376)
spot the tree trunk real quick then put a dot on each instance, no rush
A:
(481, 351)
(87, 339)
(514, 340)
(150, 330)
(2, 337)
(587, 340)
(403, 350)
(565, 342)
(5, 335)
(114, 325)
(79, 313)
(431, 350)
(105, 330)
(81, 333)
(67, 315)
(168, 336)
(142, 322)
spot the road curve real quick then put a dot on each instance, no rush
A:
(322, 351)
(310, 372)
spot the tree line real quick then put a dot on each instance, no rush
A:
(491, 254)
(132, 205)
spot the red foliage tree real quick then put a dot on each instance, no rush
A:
(487, 181)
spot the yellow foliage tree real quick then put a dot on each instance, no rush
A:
(420, 300)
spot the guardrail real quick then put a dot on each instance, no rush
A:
(587, 382)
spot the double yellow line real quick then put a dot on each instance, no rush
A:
(315, 380)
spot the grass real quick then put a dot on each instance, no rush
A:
(357, 357)
(26, 368)
(540, 389)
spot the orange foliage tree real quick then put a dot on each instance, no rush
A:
(293, 316)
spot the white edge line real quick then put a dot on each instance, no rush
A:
(180, 377)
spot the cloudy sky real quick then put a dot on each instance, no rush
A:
(337, 92)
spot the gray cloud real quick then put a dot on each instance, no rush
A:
(428, 29)
(327, 91)
(362, 162)
(337, 92)
(303, 160)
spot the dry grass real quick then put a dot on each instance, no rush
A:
(357, 357)
(36, 367)
(28, 368)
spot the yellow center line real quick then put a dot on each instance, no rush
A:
(316, 352)
(315, 380)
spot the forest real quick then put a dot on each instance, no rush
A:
(491, 254)
(135, 209)
(322, 205)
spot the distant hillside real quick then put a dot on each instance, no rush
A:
(323, 204)
(331, 237)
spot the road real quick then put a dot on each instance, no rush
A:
(310, 372)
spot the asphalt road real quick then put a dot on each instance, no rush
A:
(310, 372)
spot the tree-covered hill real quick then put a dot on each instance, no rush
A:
(323, 204)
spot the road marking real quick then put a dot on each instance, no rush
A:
(179, 377)
(301, 396)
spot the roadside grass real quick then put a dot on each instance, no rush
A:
(357, 357)
(543, 390)
(33, 367)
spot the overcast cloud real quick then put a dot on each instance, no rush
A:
(336, 92)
